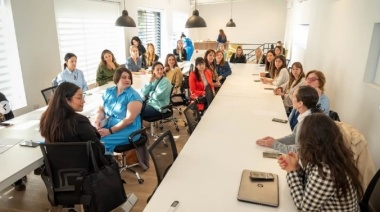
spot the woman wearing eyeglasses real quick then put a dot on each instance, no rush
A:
(61, 122)
(317, 80)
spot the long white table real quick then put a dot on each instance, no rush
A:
(206, 175)
(19, 161)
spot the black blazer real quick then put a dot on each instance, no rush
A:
(240, 59)
(143, 61)
(176, 53)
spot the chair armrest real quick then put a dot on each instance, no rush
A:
(138, 132)
(169, 106)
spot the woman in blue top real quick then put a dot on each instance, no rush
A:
(222, 67)
(71, 74)
(222, 38)
(157, 90)
(122, 105)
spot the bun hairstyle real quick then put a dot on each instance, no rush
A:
(309, 97)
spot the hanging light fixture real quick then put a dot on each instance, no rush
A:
(195, 20)
(231, 23)
(124, 20)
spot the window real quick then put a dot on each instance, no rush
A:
(372, 71)
(11, 82)
(87, 34)
(149, 28)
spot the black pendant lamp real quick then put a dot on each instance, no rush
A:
(124, 20)
(195, 20)
(231, 23)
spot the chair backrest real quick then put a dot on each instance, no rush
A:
(191, 68)
(334, 115)
(64, 163)
(370, 201)
(54, 82)
(192, 116)
(47, 93)
(163, 154)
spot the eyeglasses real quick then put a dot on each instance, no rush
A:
(311, 79)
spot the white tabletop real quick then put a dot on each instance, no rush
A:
(206, 175)
(19, 161)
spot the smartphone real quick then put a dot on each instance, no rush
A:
(269, 89)
(256, 80)
(29, 144)
(5, 124)
(280, 120)
(261, 176)
(274, 155)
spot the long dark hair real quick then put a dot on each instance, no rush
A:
(274, 72)
(198, 61)
(268, 65)
(67, 58)
(59, 115)
(136, 39)
(213, 63)
(321, 142)
(292, 78)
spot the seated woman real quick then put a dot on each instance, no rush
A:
(173, 72)
(198, 81)
(19, 185)
(268, 63)
(61, 122)
(304, 100)
(317, 80)
(222, 47)
(222, 67)
(135, 41)
(279, 75)
(323, 175)
(122, 106)
(259, 56)
(134, 62)
(211, 66)
(106, 68)
(278, 50)
(180, 52)
(156, 91)
(149, 57)
(71, 74)
(239, 56)
(297, 78)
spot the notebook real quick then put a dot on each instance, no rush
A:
(258, 192)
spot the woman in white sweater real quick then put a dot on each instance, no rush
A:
(279, 75)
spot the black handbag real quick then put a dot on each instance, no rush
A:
(103, 189)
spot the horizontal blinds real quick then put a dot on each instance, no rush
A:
(149, 28)
(87, 37)
(11, 82)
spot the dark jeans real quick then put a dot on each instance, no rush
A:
(150, 111)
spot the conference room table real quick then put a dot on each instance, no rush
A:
(207, 172)
(18, 161)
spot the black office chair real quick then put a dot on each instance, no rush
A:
(370, 201)
(192, 117)
(334, 115)
(47, 93)
(140, 143)
(54, 82)
(65, 165)
(163, 156)
(166, 116)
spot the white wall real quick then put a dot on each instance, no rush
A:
(339, 39)
(257, 21)
(37, 41)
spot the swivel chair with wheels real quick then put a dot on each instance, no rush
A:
(47, 93)
(140, 146)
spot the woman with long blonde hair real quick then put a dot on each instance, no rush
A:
(149, 57)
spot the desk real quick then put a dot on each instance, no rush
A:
(206, 175)
(19, 161)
